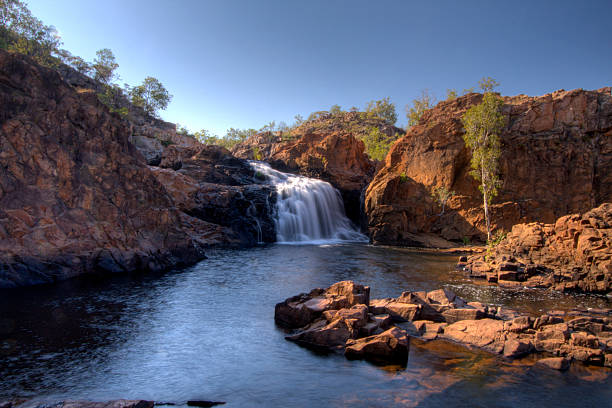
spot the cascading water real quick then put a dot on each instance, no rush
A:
(307, 209)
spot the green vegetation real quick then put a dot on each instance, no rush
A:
(23, 33)
(104, 66)
(419, 106)
(151, 96)
(442, 195)
(483, 124)
(403, 178)
(382, 109)
(377, 144)
(451, 94)
(499, 236)
(487, 84)
(466, 241)
(256, 153)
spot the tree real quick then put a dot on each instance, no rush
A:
(21, 32)
(483, 124)
(451, 94)
(298, 120)
(442, 195)
(206, 137)
(335, 110)
(150, 96)
(383, 109)
(377, 144)
(487, 84)
(104, 66)
(419, 106)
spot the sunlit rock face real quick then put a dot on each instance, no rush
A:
(573, 254)
(556, 159)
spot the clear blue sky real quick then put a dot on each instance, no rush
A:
(232, 63)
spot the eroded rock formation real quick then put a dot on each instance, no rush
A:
(76, 196)
(556, 159)
(573, 254)
(334, 319)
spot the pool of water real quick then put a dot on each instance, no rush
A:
(207, 332)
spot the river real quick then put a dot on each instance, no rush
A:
(208, 332)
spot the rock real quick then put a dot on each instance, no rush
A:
(122, 403)
(519, 324)
(556, 363)
(516, 348)
(321, 335)
(573, 254)
(303, 309)
(203, 403)
(75, 195)
(398, 202)
(455, 315)
(487, 334)
(390, 346)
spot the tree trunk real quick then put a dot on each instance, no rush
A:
(485, 197)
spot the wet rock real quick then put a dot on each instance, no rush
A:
(204, 403)
(556, 363)
(390, 346)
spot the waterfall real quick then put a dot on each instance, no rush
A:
(307, 209)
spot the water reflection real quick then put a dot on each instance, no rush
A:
(208, 333)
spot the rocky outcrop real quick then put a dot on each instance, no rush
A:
(76, 196)
(216, 188)
(556, 159)
(573, 254)
(379, 331)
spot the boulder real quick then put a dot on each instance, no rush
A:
(487, 334)
(390, 346)
(303, 309)
(556, 363)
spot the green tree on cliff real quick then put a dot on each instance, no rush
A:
(487, 84)
(419, 106)
(383, 109)
(21, 32)
(151, 96)
(483, 123)
(104, 66)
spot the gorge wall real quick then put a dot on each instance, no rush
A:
(76, 196)
(556, 159)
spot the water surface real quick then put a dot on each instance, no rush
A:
(207, 332)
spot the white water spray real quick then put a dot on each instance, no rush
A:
(308, 210)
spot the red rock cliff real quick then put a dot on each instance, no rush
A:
(75, 196)
(556, 159)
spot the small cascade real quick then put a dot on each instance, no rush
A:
(307, 209)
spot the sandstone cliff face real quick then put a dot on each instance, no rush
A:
(75, 196)
(573, 254)
(556, 159)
